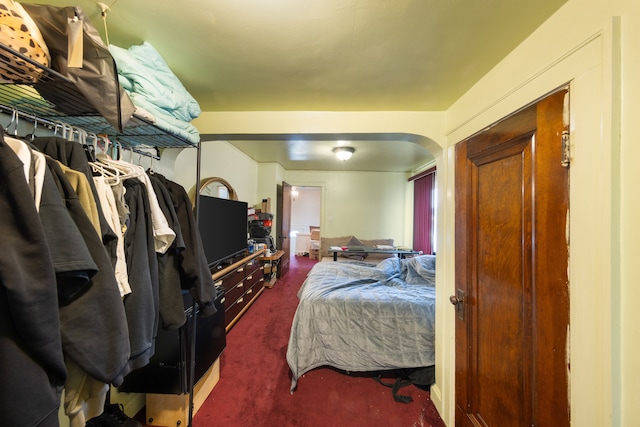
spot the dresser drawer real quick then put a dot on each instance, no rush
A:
(252, 266)
(242, 283)
(254, 290)
(234, 293)
(230, 280)
(234, 309)
(251, 294)
(254, 278)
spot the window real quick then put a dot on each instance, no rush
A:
(424, 208)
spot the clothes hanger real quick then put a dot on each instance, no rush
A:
(111, 175)
(35, 128)
(116, 150)
(125, 169)
(13, 122)
(150, 170)
(89, 149)
(92, 139)
(60, 125)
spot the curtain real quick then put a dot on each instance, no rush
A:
(423, 211)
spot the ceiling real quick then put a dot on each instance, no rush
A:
(324, 55)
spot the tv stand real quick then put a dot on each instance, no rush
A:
(225, 263)
(243, 282)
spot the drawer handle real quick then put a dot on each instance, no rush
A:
(262, 279)
(250, 291)
(250, 277)
(240, 270)
(223, 300)
(239, 301)
(218, 283)
(240, 285)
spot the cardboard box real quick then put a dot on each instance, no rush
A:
(266, 205)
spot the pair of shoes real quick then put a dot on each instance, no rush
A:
(113, 416)
(103, 420)
(116, 412)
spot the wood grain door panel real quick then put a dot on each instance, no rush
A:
(511, 265)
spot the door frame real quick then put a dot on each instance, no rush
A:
(591, 268)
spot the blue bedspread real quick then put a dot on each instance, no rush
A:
(359, 317)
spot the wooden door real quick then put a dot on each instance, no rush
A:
(512, 291)
(284, 225)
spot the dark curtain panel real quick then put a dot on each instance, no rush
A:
(423, 212)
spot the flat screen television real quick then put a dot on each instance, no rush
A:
(223, 228)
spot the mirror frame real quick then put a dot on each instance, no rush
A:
(204, 182)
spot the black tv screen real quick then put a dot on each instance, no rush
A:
(223, 228)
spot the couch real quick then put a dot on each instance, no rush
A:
(325, 254)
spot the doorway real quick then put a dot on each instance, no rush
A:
(512, 287)
(305, 213)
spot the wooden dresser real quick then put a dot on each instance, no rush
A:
(243, 282)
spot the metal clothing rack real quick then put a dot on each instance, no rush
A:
(21, 97)
(24, 97)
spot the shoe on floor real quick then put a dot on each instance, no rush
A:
(113, 416)
(103, 420)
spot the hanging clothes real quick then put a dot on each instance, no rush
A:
(31, 359)
(142, 305)
(170, 293)
(195, 275)
(163, 235)
(88, 200)
(94, 325)
(111, 213)
(73, 264)
(72, 154)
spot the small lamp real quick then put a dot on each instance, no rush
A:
(344, 153)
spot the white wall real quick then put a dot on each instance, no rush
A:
(218, 159)
(368, 205)
(626, 333)
(306, 208)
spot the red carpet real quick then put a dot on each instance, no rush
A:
(254, 377)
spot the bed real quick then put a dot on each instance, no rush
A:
(360, 317)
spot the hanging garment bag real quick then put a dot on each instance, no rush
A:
(78, 53)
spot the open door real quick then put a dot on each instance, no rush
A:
(283, 210)
(512, 287)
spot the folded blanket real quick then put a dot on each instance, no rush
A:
(154, 88)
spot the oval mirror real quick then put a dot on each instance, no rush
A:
(214, 187)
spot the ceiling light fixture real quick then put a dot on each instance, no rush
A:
(344, 153)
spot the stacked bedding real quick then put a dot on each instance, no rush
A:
(156, 92)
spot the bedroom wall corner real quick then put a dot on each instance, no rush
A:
(219, 159)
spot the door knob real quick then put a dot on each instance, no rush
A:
(458, 301)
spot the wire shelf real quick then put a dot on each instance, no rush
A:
(24, 94)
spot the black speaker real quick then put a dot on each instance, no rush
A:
(169, 369)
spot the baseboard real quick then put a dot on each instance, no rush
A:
(436, 398)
